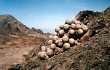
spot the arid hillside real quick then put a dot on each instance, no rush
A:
(14, 32)
(93, 53)
(17, 40)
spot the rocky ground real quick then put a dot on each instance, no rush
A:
(92, 54)
(11, 55)
(16, 40)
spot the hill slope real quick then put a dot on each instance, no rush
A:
(16, 40)
(92, 54)
(12, 30)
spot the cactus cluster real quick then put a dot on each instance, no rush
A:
(64, 37)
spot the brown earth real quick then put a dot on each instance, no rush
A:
(91, 54)
(11, 55)
(16, 40)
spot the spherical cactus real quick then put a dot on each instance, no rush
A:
(84, 27)
(65, 38)
(50, 36)
(61, 26)
(61, 32)
(76, 21)
(71, 31)
(43, 48)
(67, 34)
(66, 26)
(73, 21)
(66, 46)
(56, 41)
(80, 31)
(60, 43)
(52, 46)
(50, 52)
(78, 26)
(72, 26)
(55, 38)
(55, 33)
(42, 55)
(57, 29)
(58, 50)
(67, 21)
(71, 41)
(50, 41)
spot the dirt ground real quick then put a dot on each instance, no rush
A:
(11, 55)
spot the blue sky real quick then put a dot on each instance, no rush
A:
(47, 14)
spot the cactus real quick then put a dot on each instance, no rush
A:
(61, 32)
(42, 55)
(43, 48)
(66, 46)
(49, 52)
(64, 37)
(71, 31)
(71, 41)
(80, 31)
(52, 46)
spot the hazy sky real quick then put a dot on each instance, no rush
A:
(47, 14)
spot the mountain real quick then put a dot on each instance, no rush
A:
(37, 30)
(12, 30)
(7, 26)
(93, 54)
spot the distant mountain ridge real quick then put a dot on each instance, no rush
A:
(10, 26)
(9, 23)
(37, 30)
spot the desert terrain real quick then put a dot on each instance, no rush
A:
(17, 40)
(93, 52)
(20, 45)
